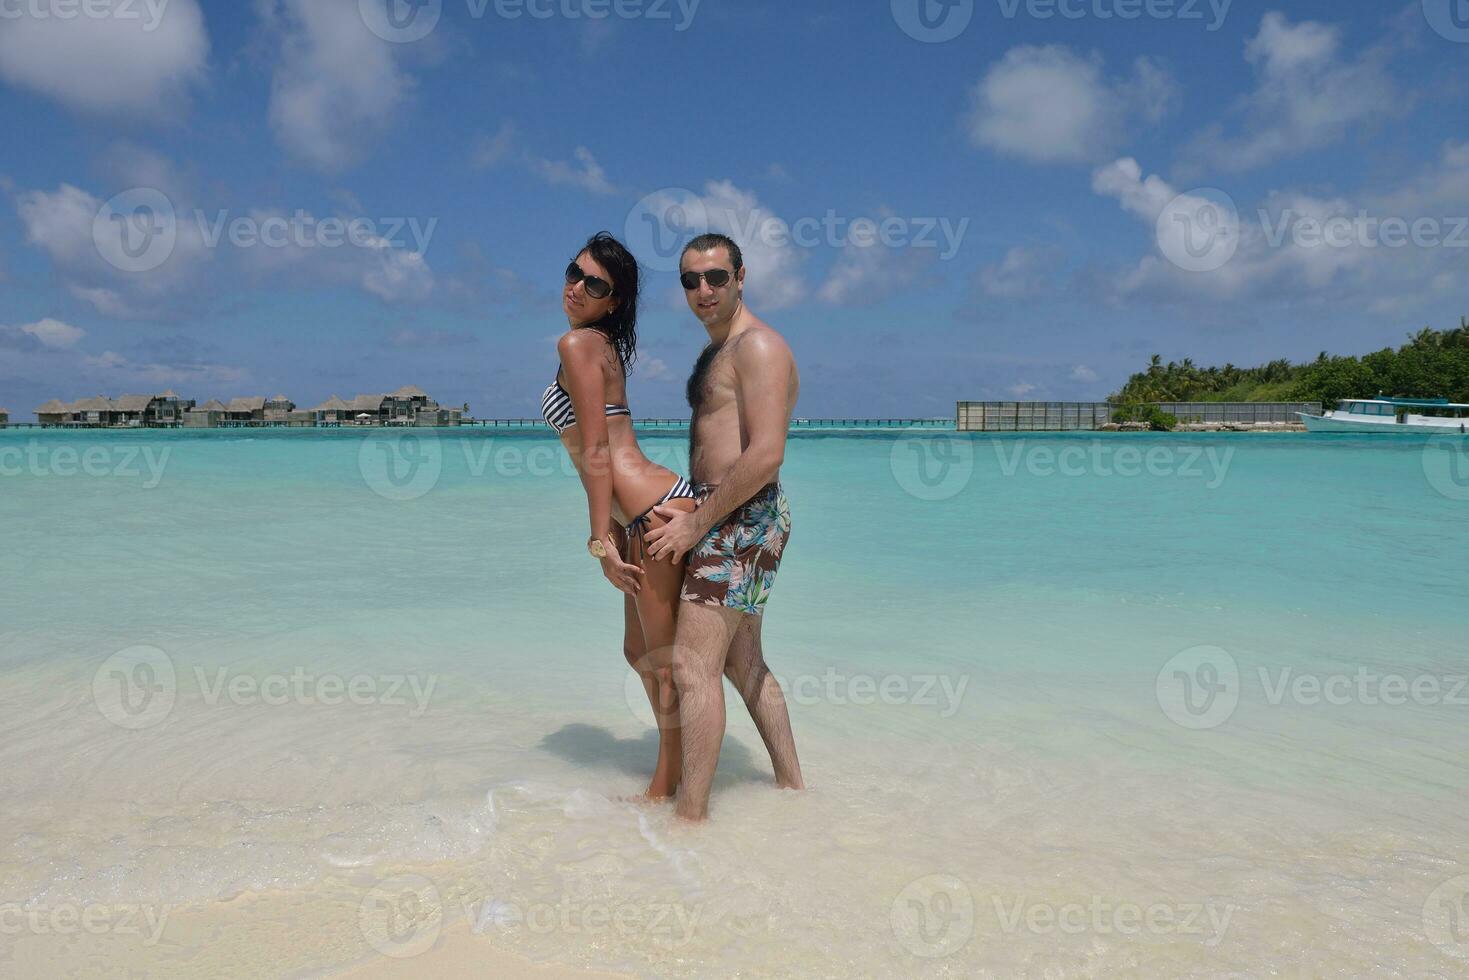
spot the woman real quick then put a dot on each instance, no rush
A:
(587, 406)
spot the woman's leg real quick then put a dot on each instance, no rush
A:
(657, 608)
(635, 649)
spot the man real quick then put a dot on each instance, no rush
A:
(742, 392)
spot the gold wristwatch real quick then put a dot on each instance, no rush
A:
(597, 548)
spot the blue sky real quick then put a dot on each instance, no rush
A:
(1019, 171)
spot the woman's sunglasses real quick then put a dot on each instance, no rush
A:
(717, 278)
(596, 286)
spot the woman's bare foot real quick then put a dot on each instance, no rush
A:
(650, 798)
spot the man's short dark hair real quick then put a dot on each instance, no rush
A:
(713, 240)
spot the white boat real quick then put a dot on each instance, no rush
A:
(1392, 415)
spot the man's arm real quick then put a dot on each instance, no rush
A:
(763, 365)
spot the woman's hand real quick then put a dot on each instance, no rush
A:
(627, 578)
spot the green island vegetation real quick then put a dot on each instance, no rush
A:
(1432, 364)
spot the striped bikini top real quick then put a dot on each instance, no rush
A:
(557, 411)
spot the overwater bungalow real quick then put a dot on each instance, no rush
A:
(54, 412)
(96, 411)
(151, 410)
(206, 416)
(333, 411)
(278, 409)
(374, 407)
(245, 410)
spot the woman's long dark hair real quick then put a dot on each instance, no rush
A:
(621, 325)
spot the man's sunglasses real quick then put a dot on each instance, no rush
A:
(596, 286)
(718, 278)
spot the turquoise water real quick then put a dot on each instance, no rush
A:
(1031, 676)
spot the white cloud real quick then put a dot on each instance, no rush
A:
(1021, 390)
(1083, 374)
(1285, 253)
(1051, 105)
(122, 370)
(1307, 95)
(773, 280)
(491, 150)
(397, 275)
(586, 173)
(336, 85)
(64, 224)
(655, 369)
(47, 334)
(1025, 271)
(54, 334)
(140, 59)
(868, 273)
(393, 272)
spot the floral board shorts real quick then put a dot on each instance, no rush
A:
(735, 564)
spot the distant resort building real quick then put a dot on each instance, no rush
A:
(206, 416)
(131, 411)
(408, 406)
(4, 417)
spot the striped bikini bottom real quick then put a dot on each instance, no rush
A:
(636, 545)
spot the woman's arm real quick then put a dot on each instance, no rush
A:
(583, 352)
(582, 355)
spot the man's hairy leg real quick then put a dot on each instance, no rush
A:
(703, 638)
(746, 669)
